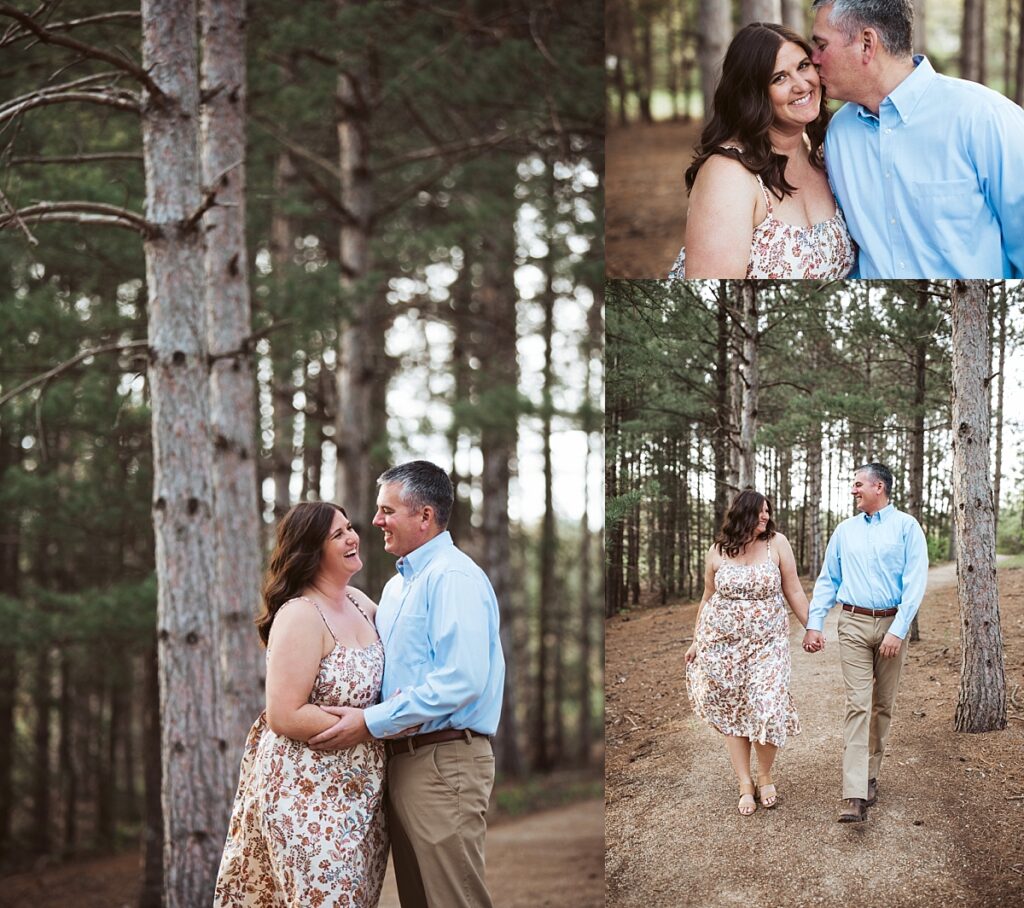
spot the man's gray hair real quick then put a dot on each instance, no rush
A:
(878, 472)
(892, 19)
(423, 483)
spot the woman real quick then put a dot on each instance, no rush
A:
(737, 668)
(307, 828)
(760, 203)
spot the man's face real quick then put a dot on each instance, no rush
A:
(835, 57)
(405, 529)
(868, 492)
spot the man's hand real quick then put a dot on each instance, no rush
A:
(814, 641)
(349, 730)
(890, 646)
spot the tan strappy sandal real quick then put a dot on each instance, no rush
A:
(767, 794)
(747, 804)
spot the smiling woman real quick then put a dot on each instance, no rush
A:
(760, 202)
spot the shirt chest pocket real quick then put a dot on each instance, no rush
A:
(947, 200)
(408, 643)
(893, 557)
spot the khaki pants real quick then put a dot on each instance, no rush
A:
(871, 683)
(437, 806)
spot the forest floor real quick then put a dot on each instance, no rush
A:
(645, 197)
(947, 828)
(551, 858)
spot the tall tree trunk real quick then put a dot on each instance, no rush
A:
(498, 396)
(915, 499)
(794, 15)
(981, 701)
(813, 507)
(1018, 85)
(41, 776)
(750, 385)
(151, 891)
(363, 372)
(232, 383)
(10, 547)
(584, 728)
(714, 29)
(721, 441)
(997, 482)
(760, 11)
(970, 41)
(196, 798)
(550, 617)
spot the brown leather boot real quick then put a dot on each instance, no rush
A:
(872, 793)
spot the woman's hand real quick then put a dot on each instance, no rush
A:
(691, 653)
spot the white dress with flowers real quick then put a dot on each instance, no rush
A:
(307, 829)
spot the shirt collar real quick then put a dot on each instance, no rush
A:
(905, 96)
(410, 565)
(880, 516)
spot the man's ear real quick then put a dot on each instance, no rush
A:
(427, 514)
(869, 45)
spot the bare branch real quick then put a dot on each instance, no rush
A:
(45, 35)
(477, 143)
(249, 343)
(83, 213)
(78, 158)
(9, 209)
(210, 196)
(70, 364)
(75, 23)
(64, 86)
(89, 97)
(300, 151)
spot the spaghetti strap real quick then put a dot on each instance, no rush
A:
(764, 192)
(352, 599)
(315, 605)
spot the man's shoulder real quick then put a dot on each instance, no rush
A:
(452, 558)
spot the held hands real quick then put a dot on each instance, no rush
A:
(890, 646)
(814, 641)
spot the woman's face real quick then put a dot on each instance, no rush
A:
(763, 518)
(794, 88)
(341, 548)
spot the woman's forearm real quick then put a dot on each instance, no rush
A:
(299, 724)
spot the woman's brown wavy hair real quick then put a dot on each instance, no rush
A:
(741, 521)
(743, 113)
(296, 557)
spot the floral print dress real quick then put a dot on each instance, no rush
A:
(823, 251)
(307, 829)
(739, 681)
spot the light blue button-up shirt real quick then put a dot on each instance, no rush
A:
(876, 562)
(438, 618)
(933, 186)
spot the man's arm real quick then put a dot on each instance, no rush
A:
(915, 576)
(998, 164)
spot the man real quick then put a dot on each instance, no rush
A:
(875, 566)
(444, 672)
(929, 170)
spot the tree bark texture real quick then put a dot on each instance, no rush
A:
(232, 383)
(981, 701)
(714, 30)
(196, 798)
(760, 11)
(750, 385)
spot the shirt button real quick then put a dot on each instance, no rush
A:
(892, 220)
(887, 131)
(887, 174)
(903, 264)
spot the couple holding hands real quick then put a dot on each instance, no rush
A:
(378, 719)
(919, 175)
(738, 666)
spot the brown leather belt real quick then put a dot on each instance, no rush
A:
(408, 745)
(871, 612)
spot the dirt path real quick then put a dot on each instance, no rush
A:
(553, 857)
(645, 197)
(947, 828)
